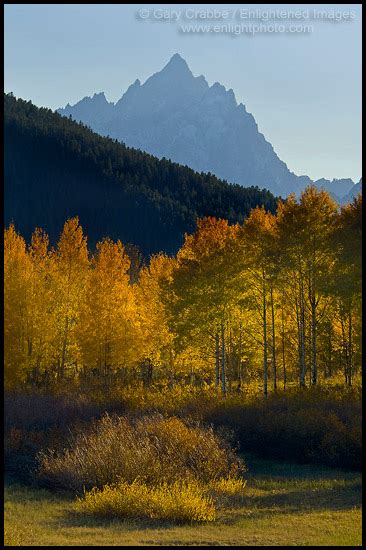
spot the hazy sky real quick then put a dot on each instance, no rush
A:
(303, 88)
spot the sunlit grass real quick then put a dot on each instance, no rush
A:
(181, 502)
(284, 504)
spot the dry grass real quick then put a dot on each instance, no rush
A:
(285, 504)
(180, 502)
(229, 491)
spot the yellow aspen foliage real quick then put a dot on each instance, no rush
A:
(69, 267)
(202, 288)
(41, 321)
(156, 335)
(17, 274)
(109, 333)
(272, 303)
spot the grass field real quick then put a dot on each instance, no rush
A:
(286, 504)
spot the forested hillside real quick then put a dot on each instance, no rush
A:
(56, 169)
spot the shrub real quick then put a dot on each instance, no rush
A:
(313, 425)
(41, 412)
(20, 448)
(35, 421)
(227, 491)
(152, 449)
(178, 502)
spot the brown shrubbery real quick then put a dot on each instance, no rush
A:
(35, 421)
(152, 449)
(316, 425)
(313, 425)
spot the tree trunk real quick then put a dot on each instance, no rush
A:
(283, 348)
(147, 372)
(302, 336)
(345, 350)
(265, 365)
(297, 307)
(239, 362)
(314, 368)
(192, 377)
(171, 368)
(223, 358)
(63, 351)
(273, 341)
(350, 348)
(217, 359)
(106, 364)
(229, 360)
(328, 366)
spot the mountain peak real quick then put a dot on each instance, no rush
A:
(177, 59)
(177, 64)
(174, 81)
(130, 93)
(100, 95)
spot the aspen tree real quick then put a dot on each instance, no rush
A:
(304, 226)
(69, 265)
(109, 332)
(257, 239)
(17, 270)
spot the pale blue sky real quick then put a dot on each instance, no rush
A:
(303, 89)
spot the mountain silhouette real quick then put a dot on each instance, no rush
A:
(180, 117)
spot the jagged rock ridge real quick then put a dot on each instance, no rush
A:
(179, 116)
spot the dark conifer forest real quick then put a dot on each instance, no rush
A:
(57, 168)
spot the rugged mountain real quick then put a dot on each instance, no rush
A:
(178, 116)
(338, 188)
(354, 191)
(93, 111)
(56, 168)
